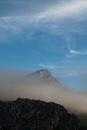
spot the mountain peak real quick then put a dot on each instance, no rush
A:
(43, 72)
(44, 75)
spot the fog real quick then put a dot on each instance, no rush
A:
(13, 86)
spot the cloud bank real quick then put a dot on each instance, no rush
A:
(12, 87)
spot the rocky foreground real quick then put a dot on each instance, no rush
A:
(26, 114)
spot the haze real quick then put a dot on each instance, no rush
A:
(13, 86)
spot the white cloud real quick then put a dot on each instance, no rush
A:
(47, 66)
(72, 8)
(52, 18)
(71, 51)
(78, 52)
(65, 9)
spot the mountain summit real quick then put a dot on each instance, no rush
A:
(43, 75)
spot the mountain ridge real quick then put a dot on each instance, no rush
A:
(27, 114)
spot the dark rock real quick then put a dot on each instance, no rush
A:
(26, 114)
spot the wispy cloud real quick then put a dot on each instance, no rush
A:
(65, 71)
(58, 11)
(65, 9)
(49, 16)
(47, 66)
(77, 52)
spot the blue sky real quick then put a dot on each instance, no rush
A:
(45, 35)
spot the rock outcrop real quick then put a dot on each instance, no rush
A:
(26, 114)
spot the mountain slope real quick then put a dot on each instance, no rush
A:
(25, 114)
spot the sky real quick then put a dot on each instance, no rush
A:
(45, 34)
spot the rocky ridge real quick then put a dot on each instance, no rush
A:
(26, 114)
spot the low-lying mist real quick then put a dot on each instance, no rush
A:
(13, 86)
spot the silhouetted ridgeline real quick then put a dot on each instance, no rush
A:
(26, 114)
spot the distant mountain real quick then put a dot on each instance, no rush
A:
(26, 114)
(42, 76)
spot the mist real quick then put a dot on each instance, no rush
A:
(13, 86)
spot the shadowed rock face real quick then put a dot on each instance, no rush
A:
(25, 114)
